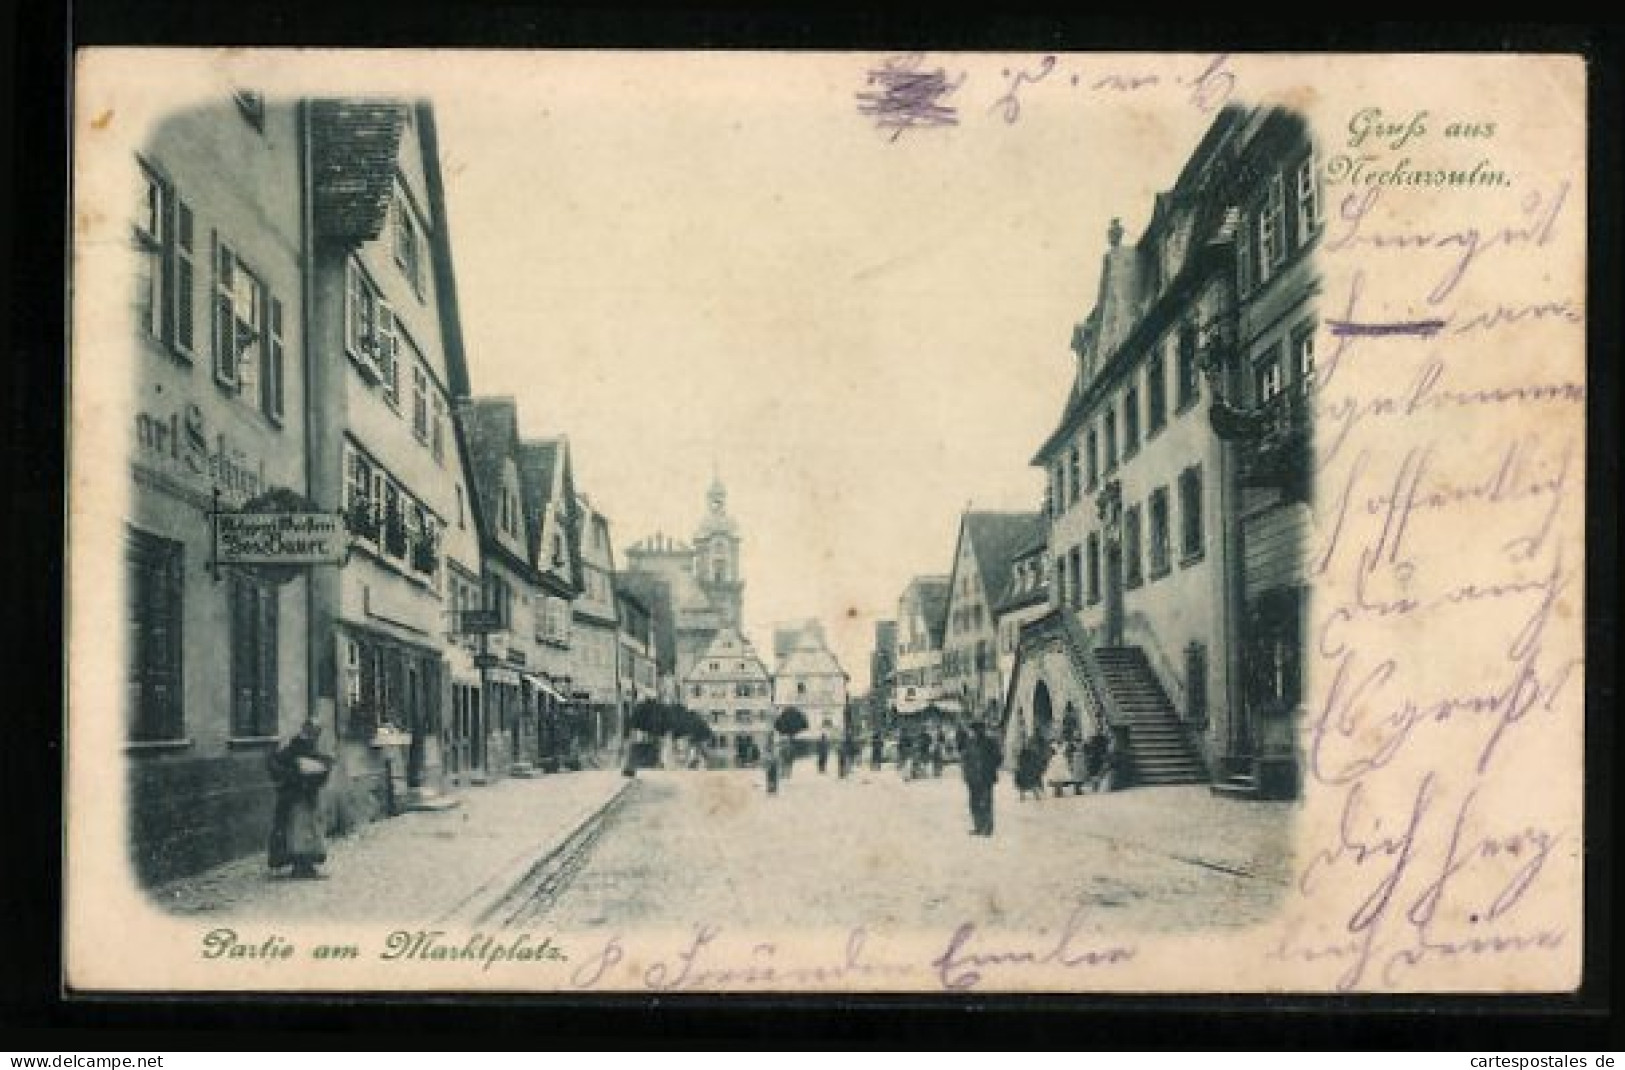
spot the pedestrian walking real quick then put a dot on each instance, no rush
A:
(298, 769)
(979, 764)
(1030, 760)
(936, 754)
(770, 764)
(877, 751)
(823, 752)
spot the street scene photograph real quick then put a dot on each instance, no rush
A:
(850, 520)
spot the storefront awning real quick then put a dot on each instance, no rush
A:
(544, 686)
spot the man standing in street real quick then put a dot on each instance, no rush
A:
(980, 762)
(823, 752)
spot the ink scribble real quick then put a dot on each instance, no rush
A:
(905, 97)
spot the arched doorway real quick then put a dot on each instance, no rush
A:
(1043, 711)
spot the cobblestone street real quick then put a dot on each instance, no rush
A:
(875, 850)
(870, 850)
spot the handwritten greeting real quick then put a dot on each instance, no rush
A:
(1448, 562)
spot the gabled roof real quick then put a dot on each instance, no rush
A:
(545, 480)
(354, 144)
(729, 649)
(809, 661)
(995, 540)
(491, 432)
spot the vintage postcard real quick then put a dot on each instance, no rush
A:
(663, 522)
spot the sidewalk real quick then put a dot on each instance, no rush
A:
(414, 867)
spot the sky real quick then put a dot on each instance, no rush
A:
(715, 263)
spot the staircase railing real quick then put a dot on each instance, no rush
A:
(1089, 668)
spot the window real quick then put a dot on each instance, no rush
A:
(1189, 371)
(1160, 563)
(154, 631)
(420, 402)
(371, 332)
(1062, 592)
(1072, 475)
(1196, 682)
(1092, 563)
(1156, 392)
(1131, 421)
(1058, 481)
(165, 289)
(1308, 183)
(437, 430)
(1271, 228)
(239, 326)
(462, 512)
(1133, 552)
(1244, 254)
(271, 383)
(1091, 444)
(253, 656)
(1190, 514)
(1267, 376)
(1109, 429)
(1075, 557)
(1303, 354)
(408, 247)
(362, 506)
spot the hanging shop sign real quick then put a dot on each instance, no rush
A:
(278, 535)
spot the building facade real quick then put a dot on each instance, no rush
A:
(387, 367)
(596, 632)
(987, 541)
(731, 688)
(552, 510)
(922, 614)
(1155, 481)
(706, 588)
(809, 677)
(217, 659)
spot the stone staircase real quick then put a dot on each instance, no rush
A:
(1159, 750)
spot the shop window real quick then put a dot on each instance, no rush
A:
(253, 656)
(154, 632)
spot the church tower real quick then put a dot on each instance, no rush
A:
(716, 557)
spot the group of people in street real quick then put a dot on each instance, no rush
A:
(1058, 763)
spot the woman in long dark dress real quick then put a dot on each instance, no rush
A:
(299, 770)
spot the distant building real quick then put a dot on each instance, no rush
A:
(1023, 599)
(636, 670)
(971, 681)
(882, 668)
(922, 614)
(731, 688)
(703, 578)
(596, 637)
(808, 677)
(789, 635)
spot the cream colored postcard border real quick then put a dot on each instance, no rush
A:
(1440, 845)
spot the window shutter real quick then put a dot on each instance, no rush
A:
(225, 326)
(271, 354)
(181, 332)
